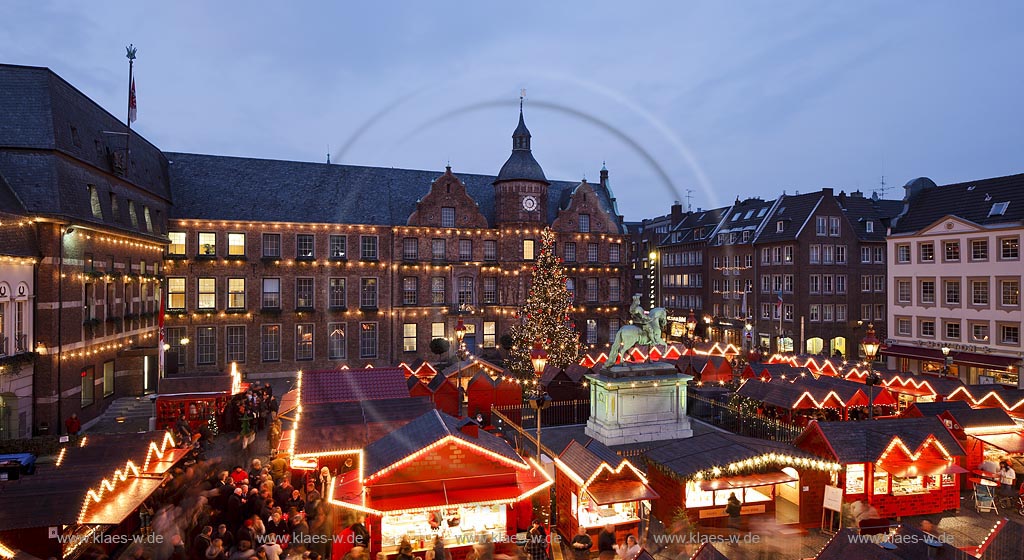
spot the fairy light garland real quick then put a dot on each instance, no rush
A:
(94, 496)
(756, 464)
(158, 451)
(95, 349)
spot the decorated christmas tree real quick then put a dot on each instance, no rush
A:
(545, 315)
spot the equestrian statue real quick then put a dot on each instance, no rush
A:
(646, 329)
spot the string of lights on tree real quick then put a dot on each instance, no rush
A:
(545, 316)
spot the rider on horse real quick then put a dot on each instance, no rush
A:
(643, 320)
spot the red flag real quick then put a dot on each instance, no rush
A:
(131, 103)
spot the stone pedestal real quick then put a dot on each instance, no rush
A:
(635, 403)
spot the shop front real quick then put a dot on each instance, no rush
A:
(971, 363)
(195, 398)
(597, 488)
(899, 466)
(438, 476)
(772, 481)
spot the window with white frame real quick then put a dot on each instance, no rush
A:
(570, 252)
(338, 247)
(979, 292)
(270, 343)
(952, 250)
(927, 252)
(207, 292)
(584, 223)
(336, 295)
(410, 248)
(865, 254)
(490, 295)
(438, 249)
(979, 249)
(591, 331)
(236, 244)
(614, 252)
(979, 332)
(336, 349)
(840, 283)
(1009, 248)
(271, 293)
(447, 216)
(304, 246)
(1009, 334)
(833, 226)
(409, 337)
(235, 343)
(175, 293)
(490, 336)
(903, 291)
(953, 330)
(903, 326)
(436, 330)
(368, 248)
(303, 293)
(928, 291)
(177, 246)
(437, 290)
(368, 293)
(879, 254)
(368, 340)
(206, 346)
(272, 245)
(207, 244)
(304, 341)
(236, 293)
(410, 289)
(466, 292)
(1009, 293)
(903, 254)
(821, 226)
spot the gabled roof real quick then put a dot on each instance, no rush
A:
(687, 457)
(864, 442)
(585, 459)
(354, 425)
(425, 430)
(971, 200)
(335, 386)
(982, 418)
(860, 210)
(936, 408)
(793, 211)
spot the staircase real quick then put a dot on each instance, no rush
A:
(127, 414)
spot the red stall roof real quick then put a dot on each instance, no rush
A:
(1010, 443)
(336, 386)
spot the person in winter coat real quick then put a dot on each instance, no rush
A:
(202, 542)
(537, 541)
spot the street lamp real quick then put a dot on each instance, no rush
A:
(947, 361)
(870, 345)
(460, 337)
(691, 326)
(540, 400)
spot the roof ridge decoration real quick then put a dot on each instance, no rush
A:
(108, 485)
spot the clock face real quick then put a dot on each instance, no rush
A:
(529, 203)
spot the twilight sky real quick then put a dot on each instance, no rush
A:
(725, 98)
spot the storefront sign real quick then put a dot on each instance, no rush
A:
(720, 512)
(677, 330)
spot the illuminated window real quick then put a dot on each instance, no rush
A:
(236, 293)
(88, 385)
(528, 249)
(176, 293)
(409, 337)
(489, 334)
(149, 221)
(236, 244)
(855, 478)
(177, 246)
(207, 244)
(97, 212)
(591, 331)
(436, 330)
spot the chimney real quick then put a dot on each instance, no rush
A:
(470, 428)
(827, 191)
(677, 213)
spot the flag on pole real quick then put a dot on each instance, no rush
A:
(778, 302)
(132, 110)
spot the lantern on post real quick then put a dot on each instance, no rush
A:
(691, 327)
(870, 344)
(539, 358)
(947, 361)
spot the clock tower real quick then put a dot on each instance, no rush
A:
(521, 190)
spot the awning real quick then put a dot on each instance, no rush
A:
(927, 469)
(116, 505)
(935, 355)
(746, 481)
(1010, 443)
(620, 491)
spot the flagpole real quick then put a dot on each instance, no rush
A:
(131, 95)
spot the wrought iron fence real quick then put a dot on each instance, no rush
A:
(728, 417)
(560, 413)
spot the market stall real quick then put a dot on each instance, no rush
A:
(900, 466)
(595, 488)
(907, 387)
(991, 396)
(802, 398)
(90, 494)
(438, 476)
(195, 398)
(770, 479)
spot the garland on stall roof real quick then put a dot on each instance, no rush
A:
(752, 465)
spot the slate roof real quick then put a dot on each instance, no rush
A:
(982, 418)
(290, 191)
(860, 209)
(793, 211)
(354, 425)
(521, 165)
(16, 240)
(744, 216)
(686, 457)
(334, 386)
(38, 111)
(935, 408)
(864, 442)
(970, 200)
(845, 545)
(707, 551)
(425, 430)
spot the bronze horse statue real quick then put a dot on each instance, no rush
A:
(647, 335)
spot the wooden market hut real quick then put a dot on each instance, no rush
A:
(910, 388)
(900, 466)
(595, 488)
(984, 433)
(196, 398)
(445, 394)
(93, 489)
(417, 388)
(991, 396)
(442, 470)
(797, 399)
(565, 384)
(699, 474)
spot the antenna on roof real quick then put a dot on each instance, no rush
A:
(689, 197)
(328, 154)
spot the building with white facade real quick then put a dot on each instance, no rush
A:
(954, 275)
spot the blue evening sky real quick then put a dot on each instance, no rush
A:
(725, 98)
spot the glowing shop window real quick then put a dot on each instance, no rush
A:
(880, 482)
(855, 478)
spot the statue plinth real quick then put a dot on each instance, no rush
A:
(635, 403)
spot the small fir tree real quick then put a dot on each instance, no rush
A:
(545, 315)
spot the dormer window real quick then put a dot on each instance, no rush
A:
(998, 209)
(869, 226)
